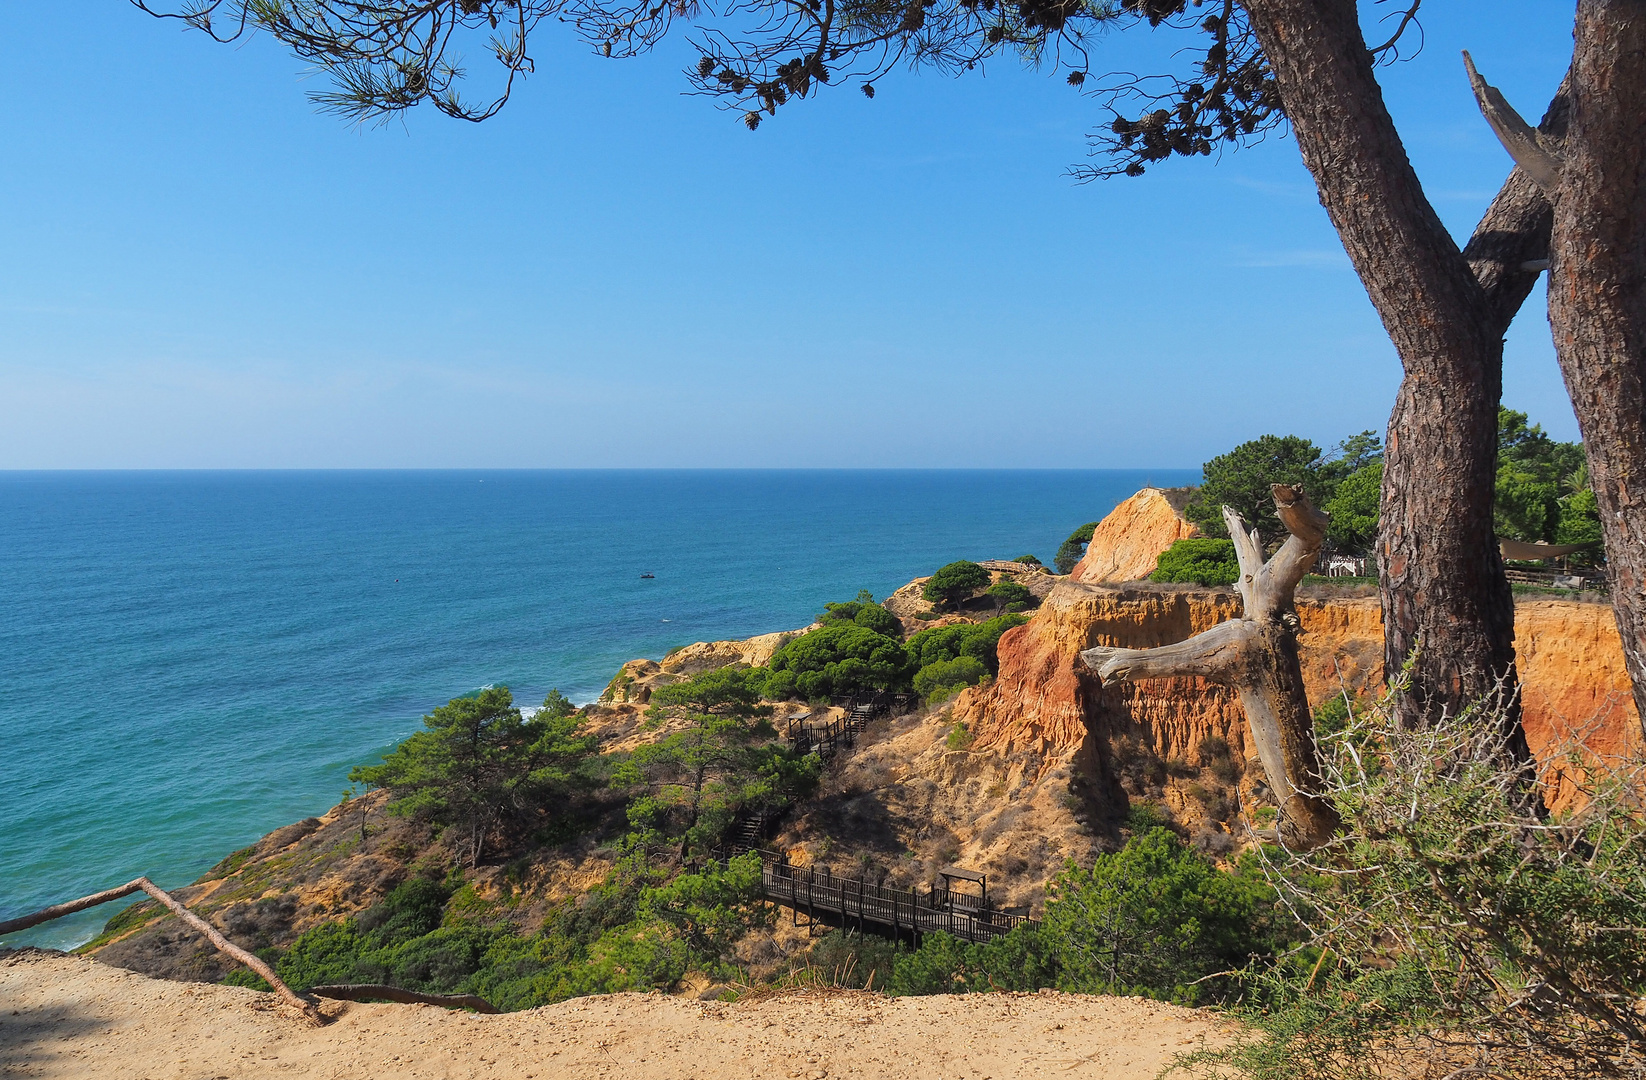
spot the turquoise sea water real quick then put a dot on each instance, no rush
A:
(188, 660)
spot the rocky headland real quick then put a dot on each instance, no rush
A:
(1012, 778)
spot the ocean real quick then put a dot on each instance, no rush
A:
(191, 659)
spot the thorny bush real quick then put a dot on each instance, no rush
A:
(1457, 927)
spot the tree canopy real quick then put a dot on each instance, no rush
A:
(1241, 479)
(477, 760)
(955, 582)
(1534, 473)
(1354, 510)
(862, 612)
(722, 759)
(839, 659)
(1070, 551)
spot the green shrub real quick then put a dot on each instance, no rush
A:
(862, 613)
(852, 960)
(839, 659)
(943, 675)
(329, 953)
(411, 909)
(1156, 918)
(1029, 559)
(955, 582)
(1008, 592)
(244, 976)
(1201, 560)
(437, 962)
(980, 641)
(1022, 960)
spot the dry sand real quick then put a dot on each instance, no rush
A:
(65, 1016)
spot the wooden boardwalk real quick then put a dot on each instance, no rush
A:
(856, 904)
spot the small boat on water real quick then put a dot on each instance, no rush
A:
(645, 576)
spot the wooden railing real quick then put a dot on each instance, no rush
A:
(853, 903)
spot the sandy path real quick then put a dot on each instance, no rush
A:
(63, 1016)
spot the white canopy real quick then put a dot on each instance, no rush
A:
(1516, 549)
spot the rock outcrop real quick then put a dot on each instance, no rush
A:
(636, 680)
(1126, 544)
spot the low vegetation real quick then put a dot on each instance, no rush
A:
(1200, 560)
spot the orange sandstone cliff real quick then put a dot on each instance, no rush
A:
(1126, 544)
(1159, 738)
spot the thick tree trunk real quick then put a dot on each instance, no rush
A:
(1597, 293)
(1441, 578)
(1257, 655)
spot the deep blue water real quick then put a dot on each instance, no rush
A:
(188, 660)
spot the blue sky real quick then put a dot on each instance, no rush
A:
(197, 269)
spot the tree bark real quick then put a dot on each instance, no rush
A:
(1597, 294)
(1257, 655)
(1441, 578)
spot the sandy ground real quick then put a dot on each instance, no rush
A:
(64, 1016)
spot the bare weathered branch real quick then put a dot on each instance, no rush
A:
(1279, 578)
(1518, 137)
(384, 992)
(1248, 545)
(1217, 654)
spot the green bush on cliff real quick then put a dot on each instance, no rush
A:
(638, 931)
(1155, 919)
(1008, 592)
(837, 660)
(1201, 560)
(943, 675)
(980, 641)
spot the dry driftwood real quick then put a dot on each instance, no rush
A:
(1257, 655)
(384, 992)
(143, 884)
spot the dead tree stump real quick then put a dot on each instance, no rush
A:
(1257, 656)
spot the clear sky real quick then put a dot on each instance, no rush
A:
(197, 269)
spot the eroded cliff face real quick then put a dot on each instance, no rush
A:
(1126, 545)
(1158, 738)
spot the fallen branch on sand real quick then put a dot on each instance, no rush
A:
(384, 992)
(143, 884)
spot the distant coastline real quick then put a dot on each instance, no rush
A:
(252, 620)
